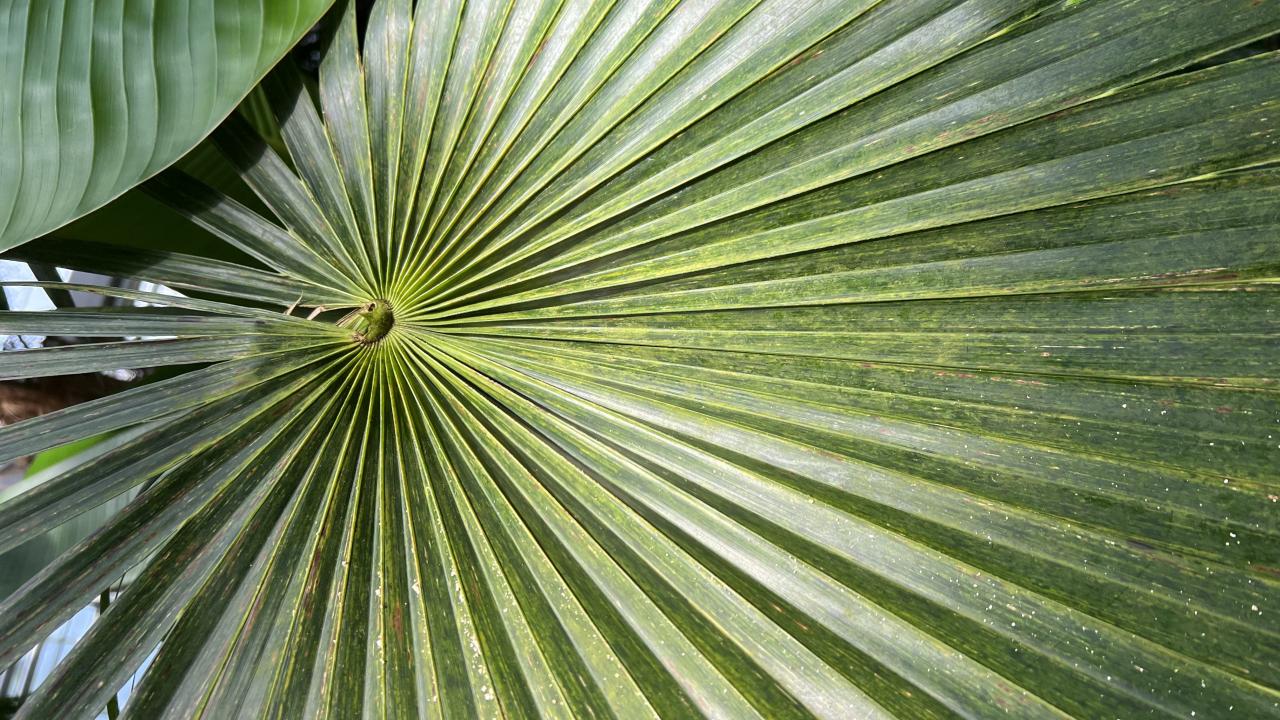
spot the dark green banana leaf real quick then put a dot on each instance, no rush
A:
(98, 95)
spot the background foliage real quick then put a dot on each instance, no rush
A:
(99, 95)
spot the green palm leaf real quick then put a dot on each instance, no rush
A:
(767, 358)
(98, 95)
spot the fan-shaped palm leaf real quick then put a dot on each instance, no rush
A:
(729, 358)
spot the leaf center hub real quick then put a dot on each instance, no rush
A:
(370, 322)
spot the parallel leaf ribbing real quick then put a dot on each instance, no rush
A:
(780, 358)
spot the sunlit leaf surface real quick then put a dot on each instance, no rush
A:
(722, 358)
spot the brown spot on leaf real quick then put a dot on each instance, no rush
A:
(1267, 569)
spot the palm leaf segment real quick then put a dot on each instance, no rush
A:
(780, 358)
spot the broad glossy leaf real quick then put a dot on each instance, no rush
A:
(731, 359)
(96, 96)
